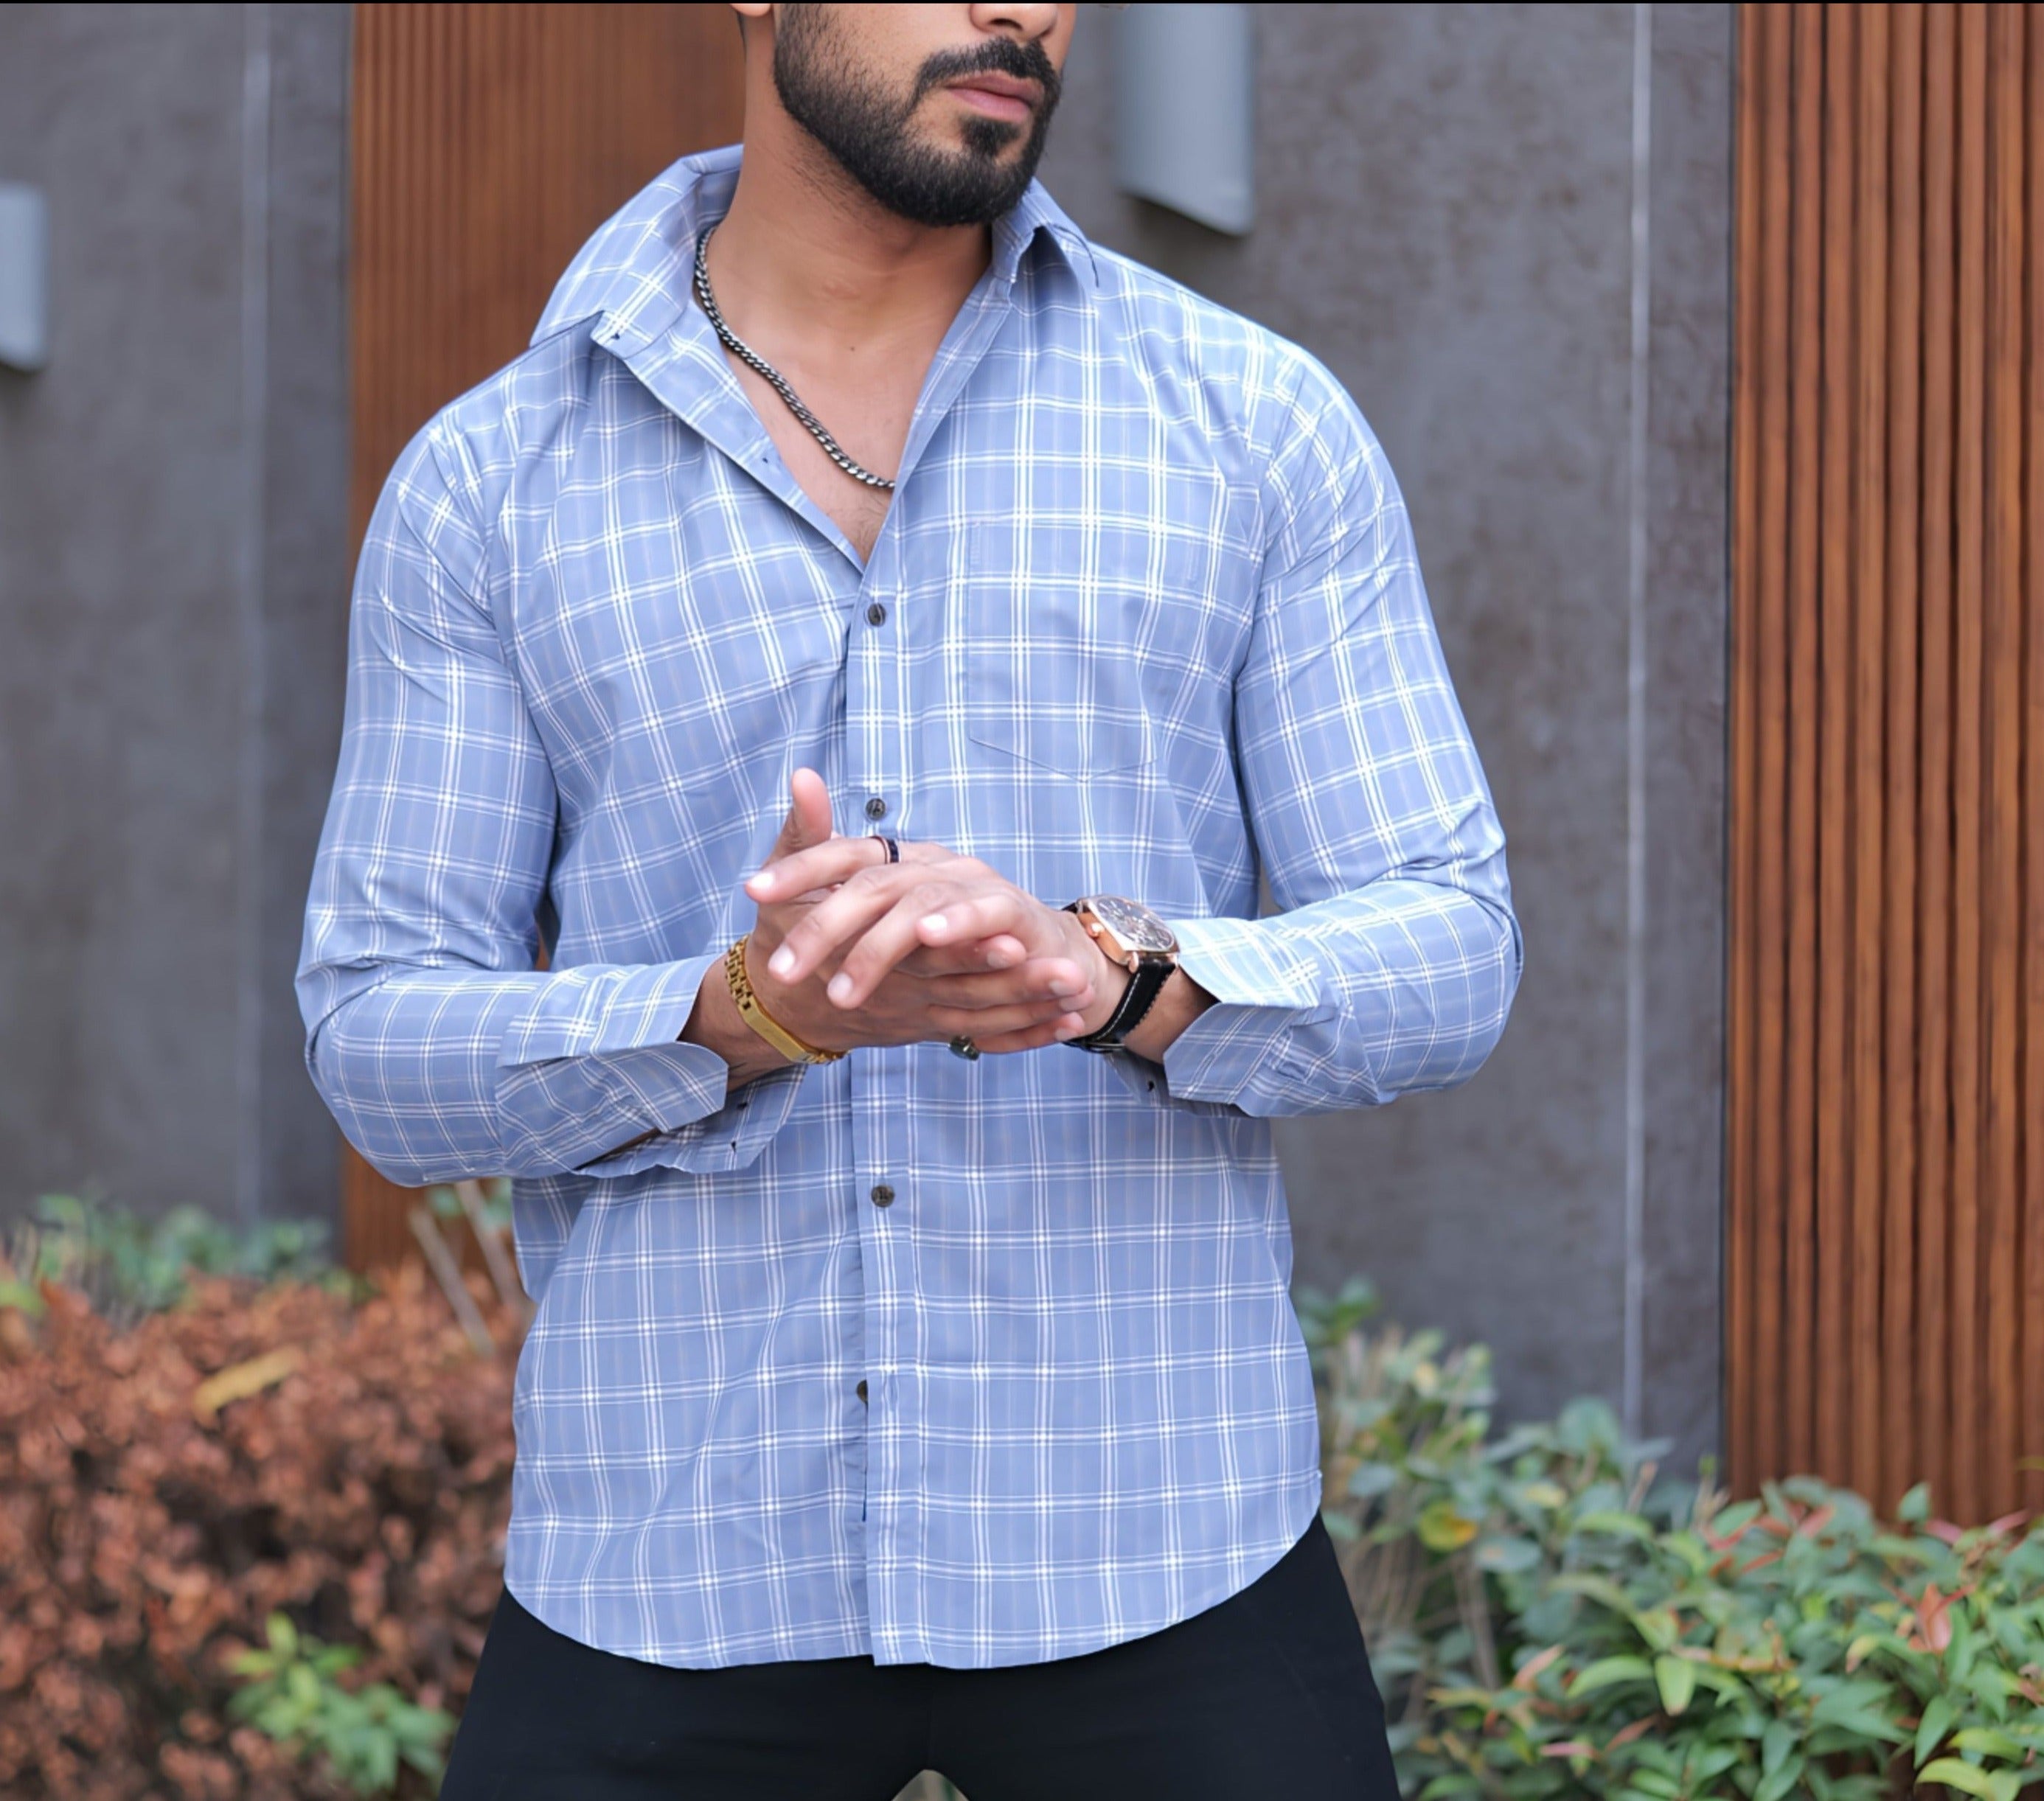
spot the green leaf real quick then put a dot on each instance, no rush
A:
(1370, 1480)
(1955, 1773)
(1776, 1743)
(1937, 1722)
(1780, 1782)
(1443, 1529)
(1915, 1507)
(1675, 1677)
(1507, 1554)
(1598, 1589)
(1658, 1626)
(1606, 1671)
(1988, 1743)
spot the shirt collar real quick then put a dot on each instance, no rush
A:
(633, 278)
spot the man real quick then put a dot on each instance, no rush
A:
(913, 1381)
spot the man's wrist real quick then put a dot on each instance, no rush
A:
(716, 1024)
(1180, 1001)
(1177, 1004)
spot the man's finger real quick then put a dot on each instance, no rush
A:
(972, 917)
(808, 821)
(993, 1023)
(1002, 952)
(883, 941)
(900, 933)
(834, 921)
(822, 864)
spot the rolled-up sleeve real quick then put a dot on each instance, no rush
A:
(1392, 962)
(441, 1050)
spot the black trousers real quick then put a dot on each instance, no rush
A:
(1268, 1693)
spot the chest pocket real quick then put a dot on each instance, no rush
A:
(1054, 651)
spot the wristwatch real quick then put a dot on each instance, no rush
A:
(1134, 937)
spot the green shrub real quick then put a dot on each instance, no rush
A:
(128, 1266)
(363, 1735)
(1546, 1621)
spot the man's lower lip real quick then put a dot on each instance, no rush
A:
(995, 106)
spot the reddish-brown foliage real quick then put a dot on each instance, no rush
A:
(144, 1540)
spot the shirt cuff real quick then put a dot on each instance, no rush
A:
(594, 1079)
(729, 1139)
(1264, 989)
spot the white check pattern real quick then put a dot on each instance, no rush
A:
(1144, 618)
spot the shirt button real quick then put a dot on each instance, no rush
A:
(876, 808)
(876, 614)
(862, 1391)
(883, 1195)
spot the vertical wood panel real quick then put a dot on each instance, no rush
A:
(1833, 718)
(1743, 1028)
(2031, 1173)
(488, 142)
(1805, 198)
(1898, 1341)
(2001, 650)
(1963, 1317)
(1885, 1247)
(1934, 920)
(1871, 80)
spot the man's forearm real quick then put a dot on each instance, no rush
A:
(717, 1025)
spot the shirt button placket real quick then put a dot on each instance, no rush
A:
(875, 754)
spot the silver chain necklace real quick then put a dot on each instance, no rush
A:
(772, 377)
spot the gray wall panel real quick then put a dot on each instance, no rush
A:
(1445, 217)
(157, 818)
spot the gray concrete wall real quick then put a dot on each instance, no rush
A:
(173, 599)
(1506, 229)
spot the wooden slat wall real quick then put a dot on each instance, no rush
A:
(489, 142)
(1885, 1234)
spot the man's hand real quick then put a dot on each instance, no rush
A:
(864, 923)
(995, 987)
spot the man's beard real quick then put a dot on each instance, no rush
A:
(867, 130)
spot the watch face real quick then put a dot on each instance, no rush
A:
(1138, 928)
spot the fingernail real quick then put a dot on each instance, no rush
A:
(781, 962)
(840, 988)
(1064, 990)
(936, 923)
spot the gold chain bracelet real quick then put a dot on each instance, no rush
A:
(762, 1022)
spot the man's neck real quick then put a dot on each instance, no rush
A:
(805, 250)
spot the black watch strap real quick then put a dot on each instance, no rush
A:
(1146, 982)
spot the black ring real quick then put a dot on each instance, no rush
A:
(887, 844)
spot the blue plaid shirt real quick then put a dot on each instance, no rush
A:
(1144, 618)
